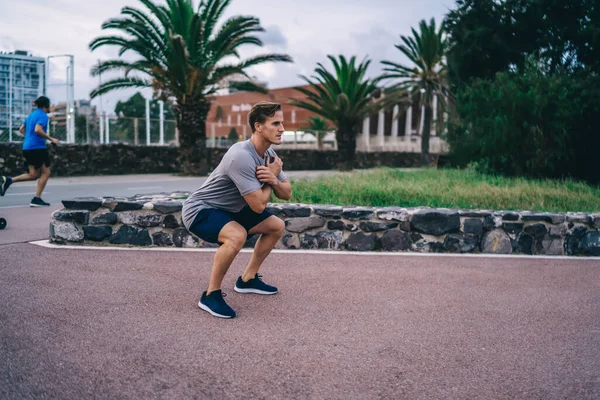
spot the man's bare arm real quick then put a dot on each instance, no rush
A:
(258, 200)
(283, 190)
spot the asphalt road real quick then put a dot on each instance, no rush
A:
(59, 189)
(83, 324)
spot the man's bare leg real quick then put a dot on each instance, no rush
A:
(233, 237)
(41, 185)
(271, 230)
(31, 176)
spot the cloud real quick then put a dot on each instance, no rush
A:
(376, 44)
(8, 43)
(273, 37)
(307, 30)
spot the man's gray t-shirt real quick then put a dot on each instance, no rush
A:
(234, 177)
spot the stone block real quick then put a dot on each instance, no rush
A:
(435, 222)
(83, 203)
(97, 233)
(303, 224)
(496, 242)
(108, 218)
(361, 242)
(131, 235)
(395, 240)
(168, 207)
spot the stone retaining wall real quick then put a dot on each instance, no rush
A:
(156, 221)
(118, 159)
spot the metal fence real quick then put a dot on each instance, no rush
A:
(92, 129)
(95, 129)
(224, 135)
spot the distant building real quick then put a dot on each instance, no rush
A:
(80, 107)
(22, 80)
(231, 110)
(235, 78)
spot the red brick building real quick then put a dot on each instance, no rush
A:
(236, 106)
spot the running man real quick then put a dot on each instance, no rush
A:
(35, 152)
(230, 206)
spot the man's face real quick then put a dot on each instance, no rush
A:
(272, 129)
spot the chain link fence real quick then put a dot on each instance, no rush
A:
(224, 135)
(92, 129)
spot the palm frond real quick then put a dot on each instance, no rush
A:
(344, 96)
(180, 51)
(248, 86)
(425, 50)
(118, 83)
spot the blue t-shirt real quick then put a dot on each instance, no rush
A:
(32, 140)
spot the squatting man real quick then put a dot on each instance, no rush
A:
(230, 207)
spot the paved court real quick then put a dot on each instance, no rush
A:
(124, 325)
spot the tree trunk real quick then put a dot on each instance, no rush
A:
(427, 119)
(191, 122)
(346, 140)
(319, 140)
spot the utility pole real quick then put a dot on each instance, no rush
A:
(70, 83)
(101, 116)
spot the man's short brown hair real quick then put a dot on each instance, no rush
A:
(261, 111)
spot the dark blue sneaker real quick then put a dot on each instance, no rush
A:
(215, 304)
(5, 182)
(254, 285)
(38, 202)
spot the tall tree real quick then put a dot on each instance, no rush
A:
(488, 36)
(345, 97)
(318, 126)
(183, 53)
(427, 77)
(135, 107)
(526, 77)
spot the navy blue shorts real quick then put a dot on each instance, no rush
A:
(208, 223)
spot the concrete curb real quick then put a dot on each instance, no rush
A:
(47, 244)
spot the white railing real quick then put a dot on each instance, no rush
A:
(402, 144)
(100, 129)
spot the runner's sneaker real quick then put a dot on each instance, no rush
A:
(215, 304)
(5, 182)
(38, 202)
(254, 285)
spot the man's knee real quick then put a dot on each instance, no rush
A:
(236, 239)
(277, 226)
(46, 171)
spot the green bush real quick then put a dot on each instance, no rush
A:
(529, 124)
(233, 136)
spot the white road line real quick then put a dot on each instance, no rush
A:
(24, 194)
(144, 187)
(46, 243)
(13, 207)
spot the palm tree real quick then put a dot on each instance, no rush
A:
(426, 50)
(219, 114)
(182, 54)
(344, 97)
(318, 126)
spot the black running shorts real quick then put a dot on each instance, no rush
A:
(37, 158)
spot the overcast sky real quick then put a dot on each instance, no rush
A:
(307, 30)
